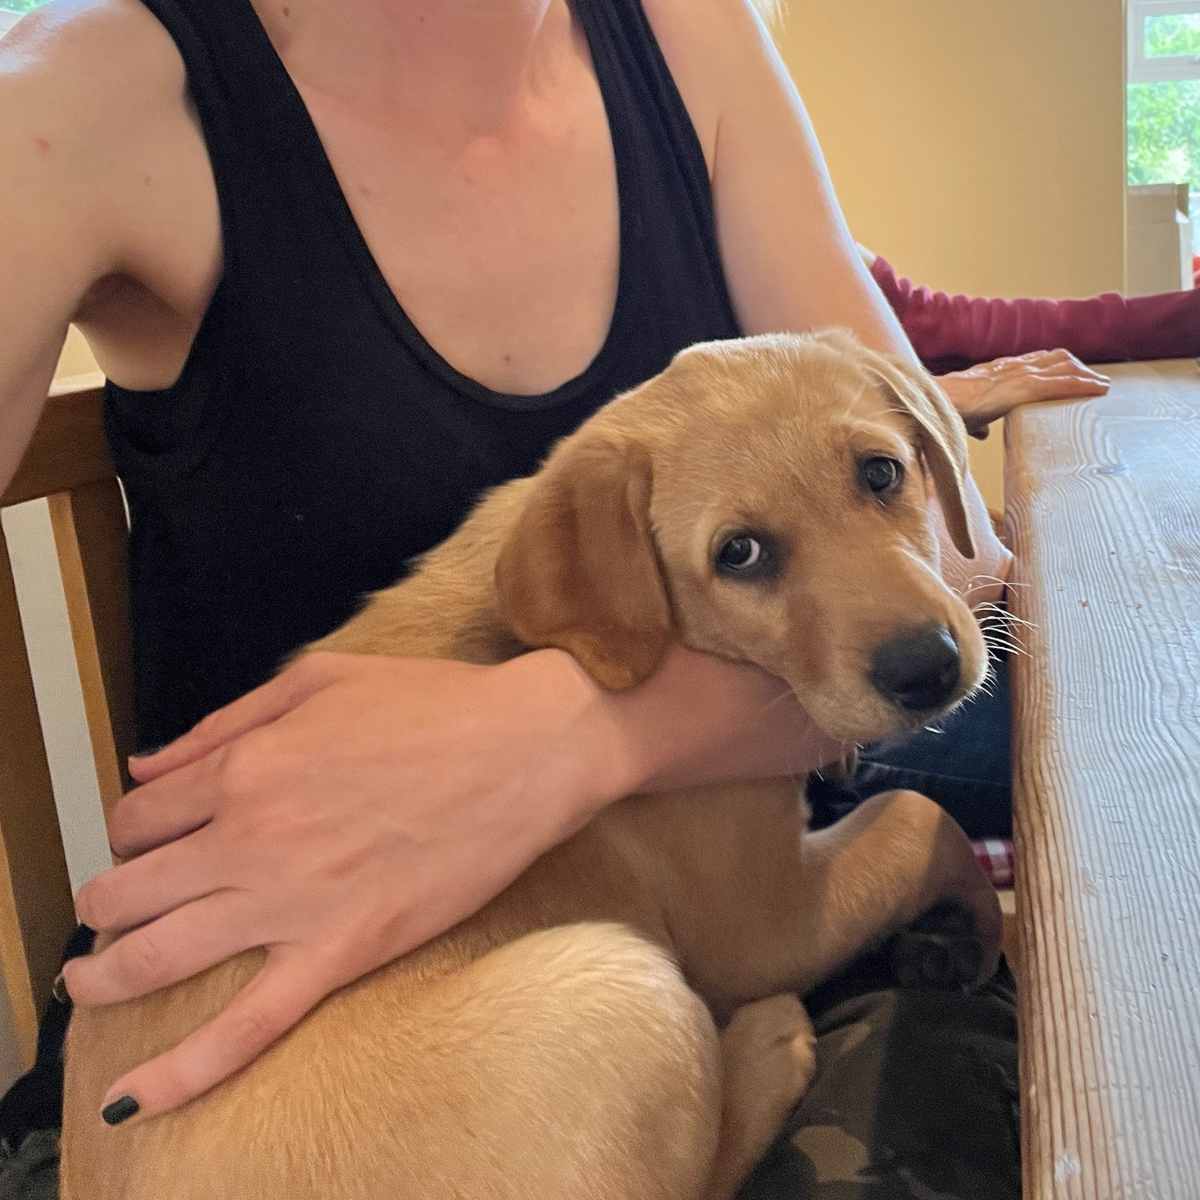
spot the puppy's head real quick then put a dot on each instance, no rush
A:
(767, 500)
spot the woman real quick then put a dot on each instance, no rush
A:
(345, 264)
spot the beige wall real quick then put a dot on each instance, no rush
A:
(76, 358)
(978, 145)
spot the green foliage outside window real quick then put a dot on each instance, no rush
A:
(21, 6)
(1172, 34)
(1164, 118)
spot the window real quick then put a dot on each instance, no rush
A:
(1164, 40)
(1163, 97)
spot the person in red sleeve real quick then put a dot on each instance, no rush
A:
(955, 333)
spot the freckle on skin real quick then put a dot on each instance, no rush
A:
(42, 144)
(287, 12)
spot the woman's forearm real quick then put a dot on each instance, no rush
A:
(700, 719)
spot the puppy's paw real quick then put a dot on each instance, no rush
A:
(769, 1048)
(942, 950)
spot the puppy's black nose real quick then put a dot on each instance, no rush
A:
(917, 670)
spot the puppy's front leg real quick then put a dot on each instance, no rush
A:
(875, 872)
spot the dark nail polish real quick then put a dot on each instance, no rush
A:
(120, 1110)
(60, 990)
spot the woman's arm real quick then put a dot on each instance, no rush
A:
(98, 157)
(55, 236)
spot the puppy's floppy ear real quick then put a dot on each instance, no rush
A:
(579, 569)
(943, 438)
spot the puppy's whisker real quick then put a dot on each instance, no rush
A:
(998, 612)
(1006, 632)
(786, 694)
(1000, 631)
(1009, 648)
(995, 641)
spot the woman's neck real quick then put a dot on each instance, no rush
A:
(462, 63)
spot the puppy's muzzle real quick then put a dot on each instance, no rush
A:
(917, 670)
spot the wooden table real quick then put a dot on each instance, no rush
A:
(1103, 500)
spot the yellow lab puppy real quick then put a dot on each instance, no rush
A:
(621, 1023)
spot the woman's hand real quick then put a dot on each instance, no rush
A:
(355, 807)
(991, 390)
(338, 816)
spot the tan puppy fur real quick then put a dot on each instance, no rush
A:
(561, 1044)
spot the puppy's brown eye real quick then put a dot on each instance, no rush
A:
(742, 555)
(881, 474)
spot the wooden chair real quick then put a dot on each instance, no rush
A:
(67, 463)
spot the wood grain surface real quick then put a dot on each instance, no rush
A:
(36, 910)
(69, 448)
(1103, 502)
(68, 462)
(91, 536)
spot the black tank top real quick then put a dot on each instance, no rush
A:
(314, 441)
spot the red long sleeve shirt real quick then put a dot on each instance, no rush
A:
(952, 332)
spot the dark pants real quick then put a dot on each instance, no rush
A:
(916, 1092)
(915, 1098)
(964, 764)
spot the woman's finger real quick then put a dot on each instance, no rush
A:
(1049, 366)
(999, 402)
(1049, 386)
(1070, 368)
(283, 992)
(260, 707)
(146, 887)
(175, 947)
(165, 809)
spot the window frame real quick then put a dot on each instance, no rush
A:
(1158, 70)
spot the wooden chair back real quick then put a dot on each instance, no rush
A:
(68, 464)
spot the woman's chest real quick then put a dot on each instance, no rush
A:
(502, 250)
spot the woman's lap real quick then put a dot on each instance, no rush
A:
(915, 1098)
(965, 766)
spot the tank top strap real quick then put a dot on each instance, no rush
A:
(258, 132)
(641, 91)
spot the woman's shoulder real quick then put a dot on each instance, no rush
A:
(709, 46)
(93, 46)
(90, 77)
(102, 154)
